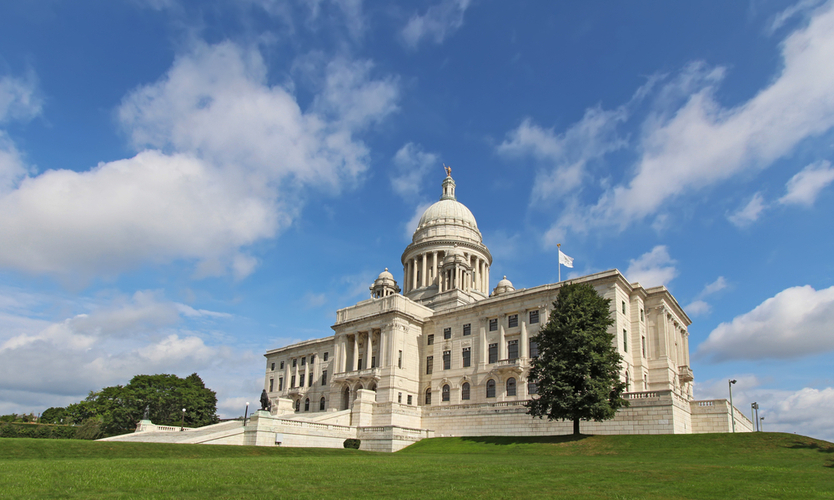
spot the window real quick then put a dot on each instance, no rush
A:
(430, 340)
(490, 388)
(307, 404)
(512, 321)
(464, 391)
(409, 399)
(400, 361)
(292, 382)
(282, 365)
(301, 381)
(624, 308)
(534, 349)
(643, 345)
(270, 384)
(310, 381)
(510, 386)
(297, 404)
(534, 317)
(359, 364)
(512, 349)
(325, 356)
(303, 361)
(428, 396)
(493, 324)
(294, 362)
(429, 364)
(447, 333)
(324, 377)
(467, 329)
(399, 397)
(312, 359)
(273, 367)
(642, 315)
(645, 382)
(280, 384)
(321, 404)
(532, 388)
(628, 386)
(493, 353)
(625, 340)
(447, 360)
(467, 357)
(445, 393)
(373, 361)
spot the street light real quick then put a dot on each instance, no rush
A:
(762, 420)
(754, 412)
(246, 414)
(732, 410)
(182, 421)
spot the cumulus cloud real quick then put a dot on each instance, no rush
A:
(699, 306)
(749, 213)
(653, 268)
(439, 21)
(411, 164)
(804, 187)
(224, 158)
(795, 322)
(411, 224)
(696, 142)
(19, 97)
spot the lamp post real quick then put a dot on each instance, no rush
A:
(754, 412)
(732, 409)
(182, 421)
(762, 421)
(246, 414)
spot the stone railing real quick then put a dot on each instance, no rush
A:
(499, 404)
(367, 372)
(148, 426)
(685, 373)
(314, 425)
(509, 362)
(371, 307)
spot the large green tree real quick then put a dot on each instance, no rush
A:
(577, 372)
(119, 408)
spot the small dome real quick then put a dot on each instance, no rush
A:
(448, 218)
(505, 282)
(385, 275)
(503, 286)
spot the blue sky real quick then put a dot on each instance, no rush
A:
(184, 185)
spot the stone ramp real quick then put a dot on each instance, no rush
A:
(209, 433)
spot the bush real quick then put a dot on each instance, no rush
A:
(352, 443)
(89, 429)
(21, 430)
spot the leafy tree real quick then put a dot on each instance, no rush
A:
(577, 372)
(53, 415)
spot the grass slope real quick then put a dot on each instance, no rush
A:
(763, 465)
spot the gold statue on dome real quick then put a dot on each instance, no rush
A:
(448, 170)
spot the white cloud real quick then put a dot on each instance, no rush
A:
(716, 286)
(801, 7)
(439, 21)
(795, 322)
(19, 98)
(700, 143)
(411, 225)
(12, 166)
(699, 307)
(653, 268)
(749, 213)
(411, 164)
(804, 187)
(238, 155)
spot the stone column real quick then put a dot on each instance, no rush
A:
(405, 277)
(483, 341)
(286, 377)
(355, 351)
(525, 344)
(434, 266)
(477, 273)
(502, 343)
(370, 348)
(297, 381)
(424, 279)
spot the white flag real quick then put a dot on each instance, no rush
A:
(565, 260)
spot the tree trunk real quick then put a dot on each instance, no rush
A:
(576, 427)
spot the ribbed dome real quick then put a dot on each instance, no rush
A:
(448, 218)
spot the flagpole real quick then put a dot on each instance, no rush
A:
(559, 258)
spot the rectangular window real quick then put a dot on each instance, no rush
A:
(493, 324)
(534, 349)
(282, 365)
(292, 382)
(301, 381)
(643, 345)
(493, 353)
(624, 308)
(294, 362)
(467, 357)
(429, 365)
(373, 361)
(409, 399)
(324, 377)
(310, 381)
(430, 340)
(534, 317)
(280, 384)
(512, 321)
(625, 341)
(312, 359)
(447, 360)
(467, 329)
(303, 361)
(325, 356)
(642, 315)
(272, 367)
(512, 349)
(400, 361)
(359, 364)
(532, 388)
(447, 333)
(270, 384)
(399, 397)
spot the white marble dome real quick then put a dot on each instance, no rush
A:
(448, 218)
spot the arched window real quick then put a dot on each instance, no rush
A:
(346, 399)
(445, 393)
(464, 391)
(307, 404)
(490, 388)
(510, 386)
(428, 396)
(297, 404)
(321, 404)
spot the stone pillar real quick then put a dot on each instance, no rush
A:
(434, 266)
(502, 342)
(478, 274)
(483, 341)
(355, 351)
(295, 372)
(286, 377)
(523, 351)
(414, 273)
(370, 348)
(424, 281)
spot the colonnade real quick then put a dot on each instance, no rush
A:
(422, 270)
(348, 350)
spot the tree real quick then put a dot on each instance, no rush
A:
(53, 415)
(577, 372)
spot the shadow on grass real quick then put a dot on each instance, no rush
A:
(510, 440)
(811, 445)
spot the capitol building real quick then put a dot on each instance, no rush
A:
(440, 353)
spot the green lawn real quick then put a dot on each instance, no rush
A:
(755, 466)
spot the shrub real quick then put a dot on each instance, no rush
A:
(21, 430)
(89, 429)
(352, 443)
